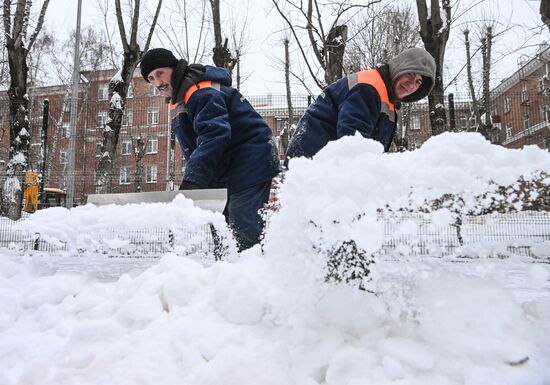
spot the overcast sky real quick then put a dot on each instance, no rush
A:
(520, 18)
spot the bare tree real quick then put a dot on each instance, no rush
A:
(481, 110)
(16, 30)
(327, 47)
(239, 42)
(284, 136)
(184, 28)
(38, 59)
(434, 31)
(381, 33)
(118, 88)
(221, 55)
(471, 87)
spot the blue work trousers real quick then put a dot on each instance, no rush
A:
(242, 213)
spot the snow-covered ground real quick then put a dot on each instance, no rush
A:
(272, 317)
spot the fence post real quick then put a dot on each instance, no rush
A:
(36, 245)
(452, 117)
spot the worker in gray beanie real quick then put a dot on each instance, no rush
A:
(364, 102)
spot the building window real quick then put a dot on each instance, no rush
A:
(152, 145)
(506, 104)
(153, 91)
(130, 92)
(101, 119)
(103, 92)
(545, 113)
(126, 147)
(414, 123)
(508, 131)
(151, 172)
(463, 122)
(67, 105)
(98, 147)
(524, 96)
(547, 143)
(526, 121)
(541, 83)
(152, 116)
(66, 130)
(124, 175)
(63, 157)
(127, 117)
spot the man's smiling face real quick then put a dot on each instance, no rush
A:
(161, 79)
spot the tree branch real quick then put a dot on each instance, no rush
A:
(291, 26)
(153, 24)
(120, 22)
(7, 20)
(39, 23)
(135, 24)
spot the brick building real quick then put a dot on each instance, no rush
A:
(521, 103)
(146, 116)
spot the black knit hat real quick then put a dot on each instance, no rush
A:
(156, 58)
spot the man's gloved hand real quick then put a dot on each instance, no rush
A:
(185, 185)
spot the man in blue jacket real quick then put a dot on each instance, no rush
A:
(225, 141)
(364, 102)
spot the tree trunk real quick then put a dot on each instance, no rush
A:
(335, 47)
(15, 33)
(12, 193)
(139, 151)
(118, 89)
(475, 103)
(285, 135)
(487, 124)
(434, 32)
(221, 55)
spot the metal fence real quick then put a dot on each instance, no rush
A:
(523, 233)
(517, 119)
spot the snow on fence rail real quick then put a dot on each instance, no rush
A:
(523, 233)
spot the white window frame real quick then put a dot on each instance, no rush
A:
(152, 116)
(130, 92)
(151, 174)
(103, 91)
(63, 157)
(126, 147)
(545, 113)
(153, 91)
(526, 121)
(152, 146)
(98, 145)
(101, 119)
(507, 104)
(463, 121)
(524, 95)
(66, 129)
(414, 123)
(509, 130)
(127, 118)
(124, 175)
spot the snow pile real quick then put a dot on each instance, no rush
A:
(270, 318)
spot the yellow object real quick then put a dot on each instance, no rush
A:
(30, 195)
(53, 197)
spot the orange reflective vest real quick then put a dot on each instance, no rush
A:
(373, 78)
(178, 108)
